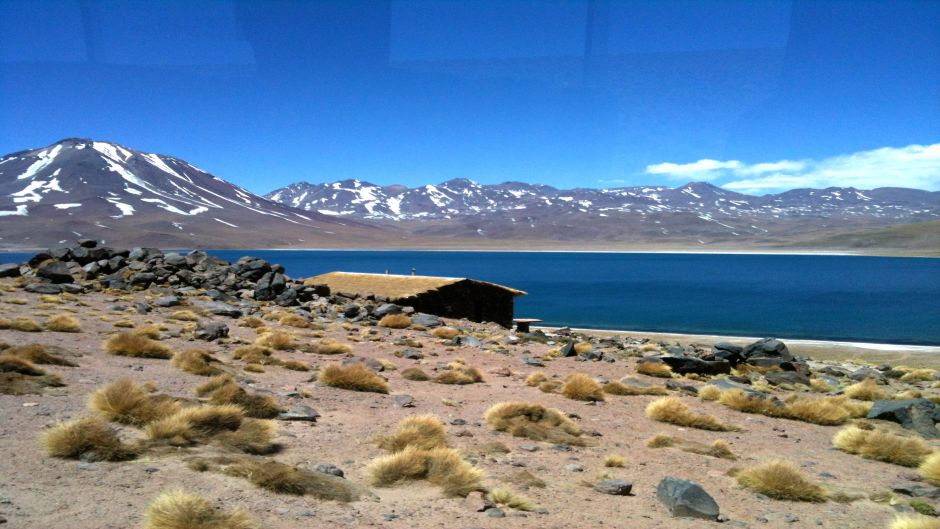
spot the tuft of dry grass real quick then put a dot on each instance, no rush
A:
(251, 322)
(294, 320)
(151, 331)
(929, 469)
(135, 345)
(918, 375)
(254, 354)
(579, 386)
(866, 390)
(535, 379)
(253, 436)
(395, 321)
(183, 315)
(195, 425)
(21, 377)
(654, 369)
(915, 521)
(177, 509)
(37, 354)
(415, 374)
(614, 461)
(718, 448)
(445, 333)
(63, 323)
(424, 432)
(295, 365)
(881, 445)
(332, 347)
(127, 402)
(709, 392)
(550, 386)
(223, 390)
(458, 372)
(780, 480)
(356, 377)
(21, 323)
(508, 498)
(534, 421)
(197, 362)
(444, 467)
(280, 478)
(277, 340)
(674, 411)
(619, 388)
(819, 385)
(91, 439)
(828, 411)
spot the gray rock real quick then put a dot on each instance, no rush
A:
(87, 243)
(299, 412)
(687, 364)
(386, 309)
(535, 362)
(404, 401)
(55, 271)
(166, 301)
(786, 377)
(470, 341)
(614, 487)
(329, 468)
(494, 512)
(10, 270)
(574, 467)
(142, 279)
(867, 372)
(210, 330)
(567, 350)
(411, 354)
(426, 320)
(174, 259)
(43, 288)
(686, 499)
(220, 309)
(919, 415)
(768, 348)
(529, 447)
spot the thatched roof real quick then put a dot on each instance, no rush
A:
(391, 286)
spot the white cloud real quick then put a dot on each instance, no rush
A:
(684, 170)
(916, 166)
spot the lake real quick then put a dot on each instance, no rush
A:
(850, 298)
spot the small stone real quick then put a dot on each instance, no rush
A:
(535, 362)
(686, 499)
(300, 412)
(614, 487)
(529, 447)
(403, 401)
(210, 330)
(574, 467)
(329, 468)
(84, 465)
(494, 512)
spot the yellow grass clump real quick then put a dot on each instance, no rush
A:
(415, 374)
(251, 322)
(197, 362)
(183, 315)
(445, 333)
(929, 469)
(866, 390)
(294, 320)
(444, 467)
(780, 480)
(674, 411)
(151, 331)
(21, 323)
(395, 321)
(880, 445)
(915, 521)
(195, 425)
(718, 448)
(424, 432)
(37, 354)
(508, 498)
(135, 345)
(278, 340)
(280, 478)
(534, 421)
(535, 379)
(619, 388)
(458, 372)
(356, 377)
(223, 390)
(654, 369)
(709, 392)
(579, 386)
(63, 323)
(177, 509)
(332, 347)
(829, 411)
(918, 375)
(127, 402)
(614, 461)
(254, 354)
(21, 377)
(91, 439)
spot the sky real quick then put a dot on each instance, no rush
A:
(757, 96)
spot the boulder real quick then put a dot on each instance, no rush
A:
(426, 320)
(567, 350)
(55, 271)
(286, 298)
(920, 415)
(174, 259)
(142, 279)
(687, 364)
(614, 487)
(220, 309)
(727, 351)
(299, 412)
(166, 301)
(38, 258)
(87, 243)
(686, 499)
(767, 348)
(786, 377)
(386, 309)
(210, 330)
(10, 270)
(43, 288)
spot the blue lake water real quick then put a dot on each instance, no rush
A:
(873, 299)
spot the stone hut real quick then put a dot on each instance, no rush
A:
(451, 297)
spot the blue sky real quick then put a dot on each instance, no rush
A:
(756, 95)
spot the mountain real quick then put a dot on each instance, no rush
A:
(95, 189)
(696, 213)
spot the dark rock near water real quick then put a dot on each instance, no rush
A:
(55, 271)
(10, 270)
(567, 350)
(786, 377)
(920, 415)
(767, 348)
(687, 364)
(686, 499)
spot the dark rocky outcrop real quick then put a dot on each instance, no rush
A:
(920, 415)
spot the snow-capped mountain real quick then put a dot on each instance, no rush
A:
(86, 188)
(696, 211)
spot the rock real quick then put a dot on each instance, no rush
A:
(263, 290)
(916, 490)
(677, 385)
(426, 320)
(286, 298)
(87, 243)
(786, 377)
(385, 309)
(43, 288)
(567, 350)
(210, 330)
(470, 341)
(614, 487)
(686, 499)
(529, 447)
(476, 501)
(535, 362)
(166, 301)
(142, 278)
(141, 307)
(411, 354)
(867, 372)
(351, 310)
(10, 270)
(55, 271)
(687, 364)
(299, 412)
(728, 351)
(174, 259)
(329, 468)
(919, 415)
(220, 309)
(494, 512)
(404, 401)
(767, 348)
(574, 467)
(371, 363)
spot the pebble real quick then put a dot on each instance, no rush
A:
(493, 512)
(529, 448)
(574, 467)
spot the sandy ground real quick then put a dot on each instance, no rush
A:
(37, 491)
